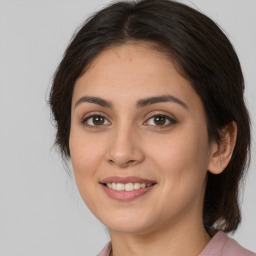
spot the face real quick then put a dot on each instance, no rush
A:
(138, 141)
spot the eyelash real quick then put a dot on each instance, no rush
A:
(171, 120)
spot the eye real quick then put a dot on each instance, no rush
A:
(162, 121)
(95, 121)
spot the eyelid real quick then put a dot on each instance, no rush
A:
(94, 113)
(160, 113)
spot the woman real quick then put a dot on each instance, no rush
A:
(148, 102)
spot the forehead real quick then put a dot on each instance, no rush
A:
(132, 71)
(134, 53)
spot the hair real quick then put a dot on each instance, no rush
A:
(203, 55)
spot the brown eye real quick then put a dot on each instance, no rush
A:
(98, 120)
(94, 121)
(161, 121)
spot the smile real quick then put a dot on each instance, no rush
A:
(126, 188)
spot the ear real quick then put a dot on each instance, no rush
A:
(221, 152)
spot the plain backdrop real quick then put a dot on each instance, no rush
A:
(41, 212)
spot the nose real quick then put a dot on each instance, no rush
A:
(124, 149)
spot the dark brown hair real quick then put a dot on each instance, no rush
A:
(203, 55)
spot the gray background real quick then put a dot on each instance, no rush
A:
(41, 212)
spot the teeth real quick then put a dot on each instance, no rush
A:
(119, 186)
(127, 186)
(136, 186)
(142, 185)
(113, 186)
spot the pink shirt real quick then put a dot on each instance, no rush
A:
(220, 245)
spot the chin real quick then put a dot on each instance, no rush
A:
(128, 223)
(134, 227)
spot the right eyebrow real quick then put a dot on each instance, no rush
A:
(95, 100)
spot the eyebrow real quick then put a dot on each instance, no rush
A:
(139, 104)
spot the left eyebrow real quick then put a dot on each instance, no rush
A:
(164, 98)
(139, 104)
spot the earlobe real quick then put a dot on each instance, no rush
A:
(222, 151)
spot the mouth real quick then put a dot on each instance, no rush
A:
(126, 188)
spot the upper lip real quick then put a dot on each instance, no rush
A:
(130, 179)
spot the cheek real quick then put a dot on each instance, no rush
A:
(180, 149)
(86, 152)
(182, 161)
(86, 155)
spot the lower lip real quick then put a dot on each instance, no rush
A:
(126, 195)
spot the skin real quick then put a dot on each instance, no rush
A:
(130, 142)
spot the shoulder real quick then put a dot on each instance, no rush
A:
(233, 248)
(106, 250)
(222, 245)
